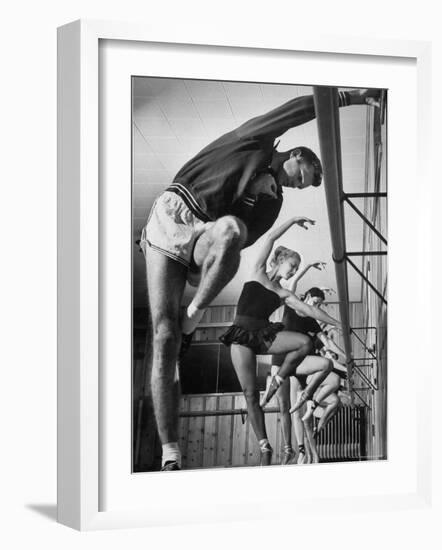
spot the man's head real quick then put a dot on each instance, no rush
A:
(302, 169)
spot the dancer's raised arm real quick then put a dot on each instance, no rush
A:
(272, 236)
(301, 272)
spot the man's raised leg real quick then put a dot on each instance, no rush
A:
(217, 255)
(165, 284)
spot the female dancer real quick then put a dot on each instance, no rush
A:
(326, 402)
(308, 326)
(328, 388)
(294, 391)
(253, 334)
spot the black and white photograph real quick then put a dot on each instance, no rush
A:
(259, 274)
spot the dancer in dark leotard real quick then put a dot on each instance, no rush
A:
(310, 328)
(294, 321)
(251, 326)
(252, 333)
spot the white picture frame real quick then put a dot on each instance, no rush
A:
(79, 367)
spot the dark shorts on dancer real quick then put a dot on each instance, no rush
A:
(256, 334)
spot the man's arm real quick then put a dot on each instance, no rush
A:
(277, 121)
(299, 111)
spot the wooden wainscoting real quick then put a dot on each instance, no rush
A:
(225, 437)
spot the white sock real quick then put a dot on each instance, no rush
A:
(192, 310)
(171, 451)
(191, 318)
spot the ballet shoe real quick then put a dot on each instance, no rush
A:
(301, 458)
(266, 455)
(304, 397)
(287, 456)
(270, 391)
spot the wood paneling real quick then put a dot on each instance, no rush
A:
(210, 433)
(228, 440)
(240, 434)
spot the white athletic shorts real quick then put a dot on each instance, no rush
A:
(172, 229)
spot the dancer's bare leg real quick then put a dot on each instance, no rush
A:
(308, 452)
(319, 367)
(244, 362)
(333, 403)
(283, 398)
(294, 346)
(308, 425)
(298, 426)
(329, 386)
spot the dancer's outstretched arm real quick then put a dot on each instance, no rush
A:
(301, 272)
(310, 311)
(272, 236)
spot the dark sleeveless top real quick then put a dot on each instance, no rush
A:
(251, 326)
(297, 323)
(257, 301)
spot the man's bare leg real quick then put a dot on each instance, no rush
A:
(166, 279)
(217, 255)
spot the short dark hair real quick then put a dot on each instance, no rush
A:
(309, 156)
(315, 292)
